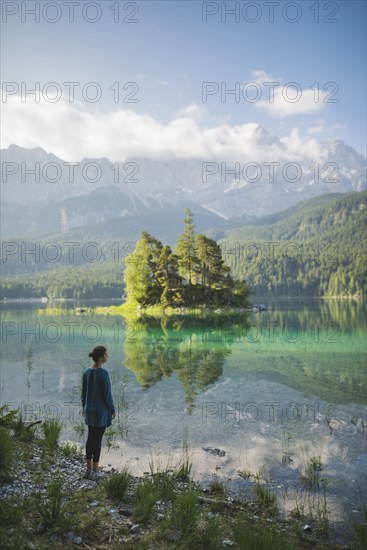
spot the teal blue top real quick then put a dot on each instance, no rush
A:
(97, 398)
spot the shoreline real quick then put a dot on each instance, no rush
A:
(120, 522)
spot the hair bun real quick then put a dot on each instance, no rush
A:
(90, 354)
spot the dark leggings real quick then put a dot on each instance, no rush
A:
(94, 442)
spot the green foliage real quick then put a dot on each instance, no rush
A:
(360, 532)
(53, 510)
(51, 429)
(311, 474)
(100, 280)
(184, 516)
(117, 484)
(7, 453)
(70, 449)
(259, 537)
(7, 419)
(326, 256)
(318, 248)
(186, 249)
(265, 499)
(146, 495)
(21, 431)
(194, 276)
(211, 534)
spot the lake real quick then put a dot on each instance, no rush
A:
(267, 394)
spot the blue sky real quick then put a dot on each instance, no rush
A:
(169, 53)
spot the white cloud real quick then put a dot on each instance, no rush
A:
(260, 76)
(291, 100)
(281, 100)
(193, 111)
(72, 132)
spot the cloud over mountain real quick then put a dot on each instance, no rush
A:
(71, 131)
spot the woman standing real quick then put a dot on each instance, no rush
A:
(98, 408)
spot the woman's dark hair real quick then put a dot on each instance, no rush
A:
(97, 353)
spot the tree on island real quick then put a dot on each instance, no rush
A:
(195, 275)
(186, 249)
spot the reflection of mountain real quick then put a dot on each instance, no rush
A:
(154, 353)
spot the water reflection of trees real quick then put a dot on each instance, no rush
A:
(153, 353)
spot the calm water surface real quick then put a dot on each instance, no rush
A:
(271, 390)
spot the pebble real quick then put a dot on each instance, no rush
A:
(78, 540)
(228, 542)
(135, 529)
(94, 503)
(24, 484)
(125, 512)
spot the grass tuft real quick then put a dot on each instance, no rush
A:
(146, 496)
(7, 454)
(117, 484)
(51, 429)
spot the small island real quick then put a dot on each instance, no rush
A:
(192, 277)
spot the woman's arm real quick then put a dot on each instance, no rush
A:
(84, 390)
(108, 394)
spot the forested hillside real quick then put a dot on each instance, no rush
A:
(318, 248)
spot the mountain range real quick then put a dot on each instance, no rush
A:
(122, 198)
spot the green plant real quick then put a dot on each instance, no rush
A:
(53, 509)
(217, 487)
(7, 419)
(145, 498)
(259, 537)
(265, 499)
(51, 429)
(110, 434)
(70, 449)
(21, 431)
(210, 535)
(312, 469)
(246, 474)
(183, 470)
(79, 429)
(360, 532)
(7, 453)
(184, 516)
(116, 485)
(322, 510)
(10, 511)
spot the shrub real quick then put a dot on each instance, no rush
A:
(116, 486)
(7, 453)
(51, 429)
(145, 499)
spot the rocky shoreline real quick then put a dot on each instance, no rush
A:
(97, 521)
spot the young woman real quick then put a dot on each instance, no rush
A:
(98, 408)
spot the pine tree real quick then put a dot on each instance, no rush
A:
(167, 275)
(213, 271)
(186, 250)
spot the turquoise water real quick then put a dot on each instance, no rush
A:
(271, 390)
